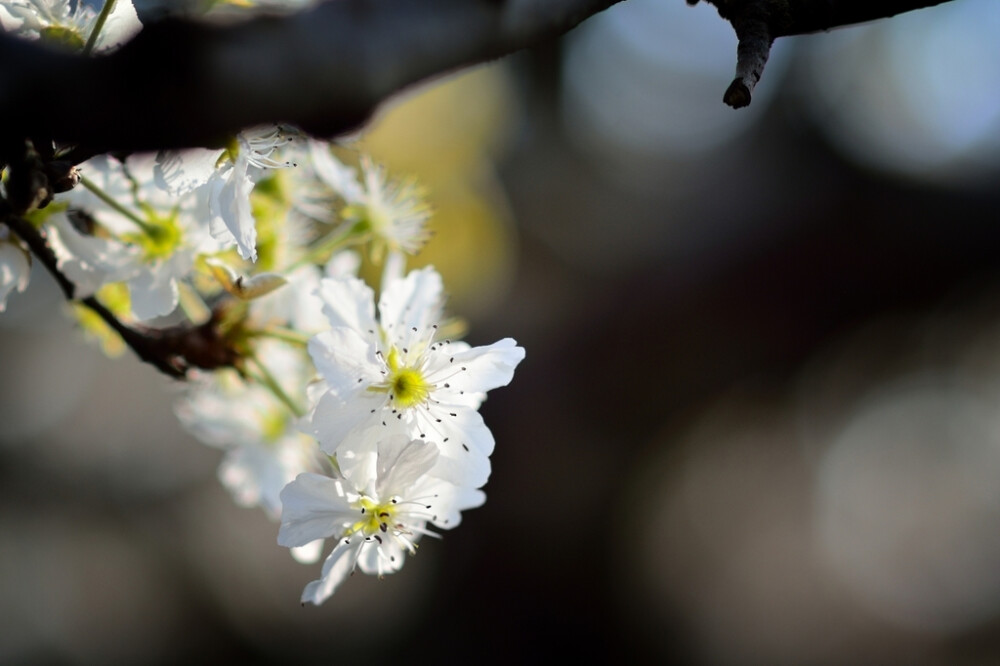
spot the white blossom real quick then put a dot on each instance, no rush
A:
(69, 23)
(393, 214)
(264, 448)
(155, 236)
(393, 375)
(227, 177)
(375, 513)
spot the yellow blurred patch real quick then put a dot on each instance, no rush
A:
(115, 297)
(446, 135)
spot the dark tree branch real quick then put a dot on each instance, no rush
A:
(180, 83)
(759, 22)
(800, 17)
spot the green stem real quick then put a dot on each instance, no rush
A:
(102, 18)
(325, 248)
(265, 377)
(284, 334)
(103, 196)
(335, 464)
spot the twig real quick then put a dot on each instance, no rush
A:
(759, 22)
(173, 351)
(752, 51)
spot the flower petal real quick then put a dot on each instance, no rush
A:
(334, 420)
(416, 301)
(401, 461)
(308, 553)
(480, 369)
(88, 261)
(313, 507)
(450, 501)
(348, 301)
(181, 171)
(154, 292)
(382, 558)
(229, 204)
(121, 25)
(341, 179)
(345, 360)
(338, 565)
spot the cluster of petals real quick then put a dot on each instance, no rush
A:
(397, 410)
(392, 375)
(69, 23)
(393, 214)
(264, 448)
(392, 445)
(226, 178)
(387, 444)
(375, 511)
(151, 238)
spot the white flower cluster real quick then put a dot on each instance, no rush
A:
(344, 422)
(397, 411)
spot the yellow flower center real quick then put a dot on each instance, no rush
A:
(406, 385)
(158, 240)
(376, 517)
(61, 37)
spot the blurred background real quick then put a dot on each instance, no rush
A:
(759, 418)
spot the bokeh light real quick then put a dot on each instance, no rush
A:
(645, 80)
(917, 95)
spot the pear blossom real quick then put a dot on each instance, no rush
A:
(68, 23)
(393, 214)
(375, 512)
(155, 237)
(341, 179)
(264, 448)
(227, 177)
(391, 375)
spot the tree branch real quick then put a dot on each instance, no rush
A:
(180, 83)
(800, 17)
(759, 22)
